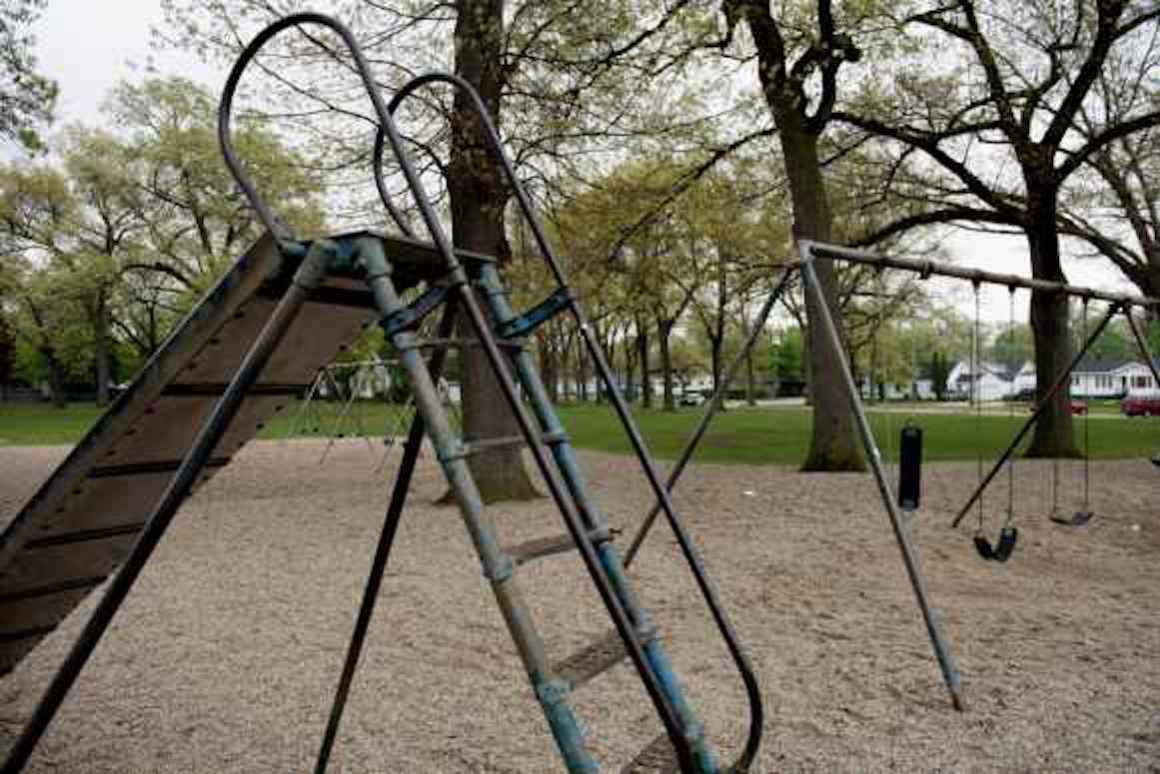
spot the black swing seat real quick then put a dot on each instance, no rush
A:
(1002, 550)
(1156, 459)
(1078, 519)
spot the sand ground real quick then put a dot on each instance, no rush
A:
(225, 655)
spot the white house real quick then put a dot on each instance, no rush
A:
(1024, 378)
(994, 381)
(1104, 378)
(1092, 378)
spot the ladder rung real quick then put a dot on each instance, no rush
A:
(659, 756)
(598, 657)
(483, 444)
(522, 553)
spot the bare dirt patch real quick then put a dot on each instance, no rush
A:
(225, 655)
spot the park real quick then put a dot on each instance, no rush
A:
(752, 483)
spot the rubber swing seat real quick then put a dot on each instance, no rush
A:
(1078, 519)
(1002, 550)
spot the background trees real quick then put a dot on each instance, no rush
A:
(126, 230)
(26, 97)
(1014, 92)
(645, 131)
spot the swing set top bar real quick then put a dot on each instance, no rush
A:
(928, 268)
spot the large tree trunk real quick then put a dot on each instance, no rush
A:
(582, 371)
(55, 377)
(478, 196)
(750, 381)
(630, 361)
(646, 391)
(101, 348)
(664, 334)
(833, 444)
(549, 367)
(7, 357)
(1150, 283)
(1054, 434)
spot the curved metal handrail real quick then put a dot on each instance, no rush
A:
(688, 549)
(225, 112)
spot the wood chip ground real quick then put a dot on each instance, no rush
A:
(225, 656)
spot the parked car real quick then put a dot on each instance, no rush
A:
(1140, 406)
(691, 398)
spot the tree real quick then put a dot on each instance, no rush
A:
(26, 97)
(786, 355)
(134, 228)
(7, 355)
(1121, 217)
(801, 121)
(940, 370)
(1031, 67)
(78, 221)
(1013, 345)
(51, 333)
(194, 218)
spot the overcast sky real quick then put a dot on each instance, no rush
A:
(90, 45)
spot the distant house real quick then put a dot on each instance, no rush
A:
(1023, 379)
(1112, 378)
(1092, 378)
(990, 381)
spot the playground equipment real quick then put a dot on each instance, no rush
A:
(252, 344)
(1117, 302)
(1084, 515)
(1008, 539)
(333, 406)
(327, 389)
(939, 643)
(909, 466)
(811, 251)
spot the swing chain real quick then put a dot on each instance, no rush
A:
(1011, 411)
(974, 393)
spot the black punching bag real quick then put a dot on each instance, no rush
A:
(910, 467)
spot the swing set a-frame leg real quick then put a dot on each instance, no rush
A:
(909, 555)
(711, 409)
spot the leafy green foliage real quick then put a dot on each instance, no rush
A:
(786, 355)
(26, 97)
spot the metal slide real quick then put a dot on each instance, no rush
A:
(86, 517)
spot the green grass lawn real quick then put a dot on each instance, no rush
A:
(745, 435)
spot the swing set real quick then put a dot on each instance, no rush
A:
(910, 446)
(1002, 549)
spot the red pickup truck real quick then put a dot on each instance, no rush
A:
(1140, 406)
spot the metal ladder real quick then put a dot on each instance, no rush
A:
(500, 331)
